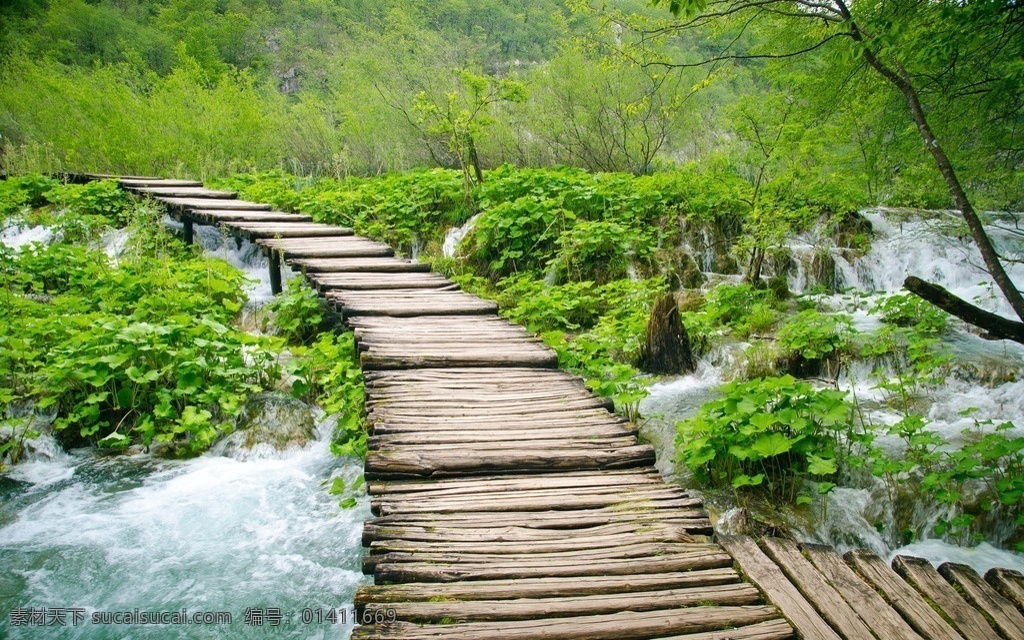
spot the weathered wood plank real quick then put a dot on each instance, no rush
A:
(409, 302)
(338, 247)
(213, 203)
(516, 435)
(172, 191)
(157, 182)
(266, 229)
(816, 589)
(543, 587)
(217, 216)
(384, 464)
(1009, 584)
(640, 552)
(503, 532)
(576, 543)
(525, 501)
(462, 486)
(770, 580)
(919, 573)
(369, 280)
(999, 610)
(625, 625)
(359, 265)
(439, 357)
(533, 608)
(777, 629)
(901, 596)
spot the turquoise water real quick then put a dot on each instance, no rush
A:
(214, 534)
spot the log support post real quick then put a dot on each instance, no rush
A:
(275, 272)
(238, 243)
(188, 233)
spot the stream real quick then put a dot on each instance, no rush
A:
(986, 375)
(83, 534)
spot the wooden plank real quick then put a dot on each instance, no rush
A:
(536, 608)
(379, 280)
(777, 629)
(211, 203)
(636, 536)
(870, 606)
(264, 229)
(770, 580)
(171, 191)
(816, 589)
(357, 265)
(919, 573)
(383, 464)
(157, 182)
(504, 532)
(217, 216)
(529, 500)
(901, 596)
(625, 625)
(409, 302)
(463, 486)
(641, 553)
(543, 587)
(999, 610)
(339, 247)
(518, 435)
(1009, 583)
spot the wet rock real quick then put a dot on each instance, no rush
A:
(823, 271)
(268, 423)
(690, 276)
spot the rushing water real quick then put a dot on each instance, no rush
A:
(988, 376)
(84, 533)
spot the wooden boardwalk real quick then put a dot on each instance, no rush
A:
(510, 502)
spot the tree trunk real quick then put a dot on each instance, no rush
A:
(995, 326)
(901, 79)
(668, 345)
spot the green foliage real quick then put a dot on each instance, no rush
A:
(298, 312)
(139, 351)
(517, 236)
(812, 335)
(769, 435)
(327, 372)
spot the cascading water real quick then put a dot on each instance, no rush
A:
(455, 235)
(82, 533)
(987, 375)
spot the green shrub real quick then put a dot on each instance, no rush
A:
(298, 312)
(767, 435)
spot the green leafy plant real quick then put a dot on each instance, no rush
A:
(298, 312)
(768, 435)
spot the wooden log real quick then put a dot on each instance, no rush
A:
(999, 610)
(171, 191)
(417, 532)
(187, 230)
(464, 486)
(773, 583)
(663, 534)
(901, 596)
(640, 552)
(451, 572)
(157, 182)
(385, 464)
(537, 608)
(409, 302)
(256, 230)
(529, 500)
(474, 406)
(483, 358)
(625, 625)
(777, 629)
(870, 606)
(600, 434)
(368, 280)
(543, 587)
(211, 203)
(338, 247)
(1009, 584)
(993, 324)
(394, 424)
(816, 589)
(274, 264)
(217, 216)
(922, 576)
(360, 265)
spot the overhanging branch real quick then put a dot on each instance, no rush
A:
(995, 326)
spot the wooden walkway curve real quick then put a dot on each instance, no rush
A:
(511, 503)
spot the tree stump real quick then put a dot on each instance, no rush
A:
(668, 345)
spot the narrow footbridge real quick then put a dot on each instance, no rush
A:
(511, 503)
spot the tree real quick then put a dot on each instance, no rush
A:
(956, 64)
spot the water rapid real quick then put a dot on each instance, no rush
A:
(986, 376)
(84, 534)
